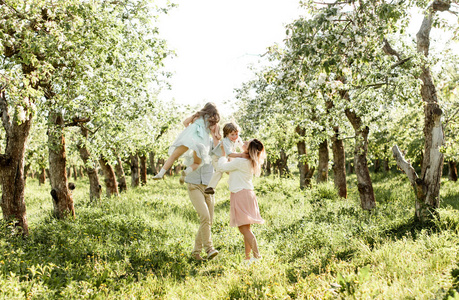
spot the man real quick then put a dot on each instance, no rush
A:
(197, 182)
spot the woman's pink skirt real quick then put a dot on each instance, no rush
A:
(244, 209)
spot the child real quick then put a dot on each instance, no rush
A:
(244, 209)
(231, 141)
(194, 141)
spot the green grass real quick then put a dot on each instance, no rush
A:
(314, 246)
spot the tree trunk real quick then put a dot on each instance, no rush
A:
(350, 167)
(12, 168)
(177, 169)
(377, 165)
(151, 159)
(111, 185)
(303, 166)
(143, 169)
(95, 189)
(267, 167)
(322, 174)
(364, 185)
(62, 198)
(452, 174)
(135, 171)
(339, 164)
(281, 163)
(386, 165)
(122, 185)
(75, 173)
(42, 176)
(427, 186)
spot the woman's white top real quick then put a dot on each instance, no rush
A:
(240, 173)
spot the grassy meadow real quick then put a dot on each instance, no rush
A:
(314, 246)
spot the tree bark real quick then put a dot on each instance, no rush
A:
(95, 189)
(122, 185)
(364, 184)
(427, 186)
(42, 176)
(281, 163)
(339, 163)
(322, 174)
(177, 169)
(143, 169)
(452, 173)
(377, 165)
(111, 185)
(306, 172)
(386, 165)
(268, 167)
(135, 171)
(75, 173)
(62, 197)
(151, 159)
(12, 168)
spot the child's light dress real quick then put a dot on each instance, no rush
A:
(196, 137)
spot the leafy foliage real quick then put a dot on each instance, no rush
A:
(314, 244)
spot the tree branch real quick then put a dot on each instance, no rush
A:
(77, 122)
(401, 62)
(405, 166)
(387, 48)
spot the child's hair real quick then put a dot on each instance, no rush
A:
(257, 155)
(210, 113)
(228, 128)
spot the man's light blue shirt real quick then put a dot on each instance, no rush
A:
(203, 174)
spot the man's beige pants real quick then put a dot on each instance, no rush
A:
(204, 205)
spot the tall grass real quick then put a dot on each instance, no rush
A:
(314, 246)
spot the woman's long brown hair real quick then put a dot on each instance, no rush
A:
(257, 155)
(210, 113)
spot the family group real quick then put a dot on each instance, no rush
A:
(207, 156)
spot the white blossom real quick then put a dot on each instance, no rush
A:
(21, 114)
(321, 79)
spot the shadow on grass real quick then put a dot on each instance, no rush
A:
(410, 227)
(94, 249)
(453, 292)
(450, 201)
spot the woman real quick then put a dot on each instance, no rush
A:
(244, 209)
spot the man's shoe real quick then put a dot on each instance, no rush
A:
(211, 254)
(209, 191)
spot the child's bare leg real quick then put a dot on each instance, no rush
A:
(250, 241)
(172, 158)
(196, 161)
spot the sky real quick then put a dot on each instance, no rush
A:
(215, 42)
